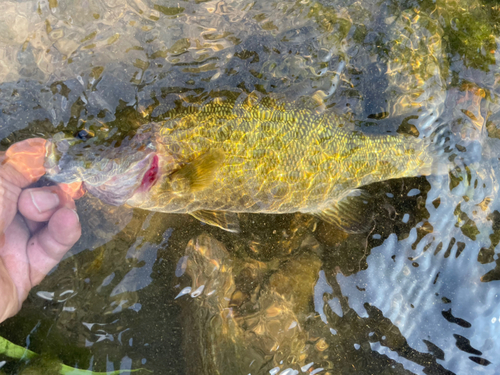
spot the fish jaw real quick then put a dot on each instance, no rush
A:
(113, 174)
(54, 150)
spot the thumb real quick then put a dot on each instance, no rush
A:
(23, 162)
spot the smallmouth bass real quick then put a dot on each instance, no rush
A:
(226, 159)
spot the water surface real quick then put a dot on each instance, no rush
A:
(415, 294)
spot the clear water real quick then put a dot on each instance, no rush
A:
(416, 294)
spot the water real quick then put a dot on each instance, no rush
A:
(415, 294)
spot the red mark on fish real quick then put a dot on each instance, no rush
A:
(150, 176)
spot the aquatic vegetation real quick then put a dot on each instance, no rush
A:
(471, 30)
(42, 365)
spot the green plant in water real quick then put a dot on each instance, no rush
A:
(470, 27)
(44, 365)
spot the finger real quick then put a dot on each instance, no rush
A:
(24, 161)
(75, 189)
(48, 246)
(9, 300)
(39, 204)
(20, 165)
(13, 253)
(9, 194)
(34, 226)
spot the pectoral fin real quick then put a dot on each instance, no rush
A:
(225, 220)
(198, 174)
(351, 213)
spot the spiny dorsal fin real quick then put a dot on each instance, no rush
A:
(350, 213)
(319, 98)
(250, 101)
(225, 220)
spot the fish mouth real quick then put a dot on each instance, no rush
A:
(113, 175)
(52, 156)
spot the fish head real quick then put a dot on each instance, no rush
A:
(111, 170)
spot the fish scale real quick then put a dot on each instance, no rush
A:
(314, 157)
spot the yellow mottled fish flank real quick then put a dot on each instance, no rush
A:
(256, 159)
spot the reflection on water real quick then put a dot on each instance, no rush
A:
(416, 293)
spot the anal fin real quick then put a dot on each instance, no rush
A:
(223, 219)
(350, 214)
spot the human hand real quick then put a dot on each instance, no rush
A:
(37, 226)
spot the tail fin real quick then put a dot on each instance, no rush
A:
(436, 145)
(449, 152)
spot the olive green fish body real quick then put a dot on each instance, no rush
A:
(271, 161)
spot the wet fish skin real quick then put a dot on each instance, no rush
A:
(272, 161)
(225, 159)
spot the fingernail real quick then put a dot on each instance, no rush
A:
(76, 214)
(44, 200)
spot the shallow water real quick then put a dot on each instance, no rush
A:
(417, 293)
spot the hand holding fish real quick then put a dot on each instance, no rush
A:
(37, 226)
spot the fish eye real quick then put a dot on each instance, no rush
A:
(84, 134)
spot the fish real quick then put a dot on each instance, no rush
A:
(222, 159)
